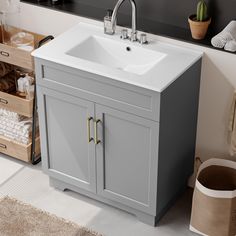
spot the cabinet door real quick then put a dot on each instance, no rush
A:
(127, 158)
(67, 154)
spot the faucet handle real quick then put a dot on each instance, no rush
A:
(134, 36)
(124, 34)
(143, 39)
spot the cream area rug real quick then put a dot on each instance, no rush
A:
(20, 219)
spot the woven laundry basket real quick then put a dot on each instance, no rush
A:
(214, 199)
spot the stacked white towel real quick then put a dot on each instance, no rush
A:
(15, 127)
(11, 115)
(226, 38)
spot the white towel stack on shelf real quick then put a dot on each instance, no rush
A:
(15, 126)
(13, 116)
(226, 38)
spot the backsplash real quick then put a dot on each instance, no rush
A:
(172, 12)
(161, 17)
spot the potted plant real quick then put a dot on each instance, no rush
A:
(199, 22)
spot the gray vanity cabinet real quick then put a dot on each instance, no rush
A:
(128, 146)
(122, 146)
(126, 158)
(70, 157)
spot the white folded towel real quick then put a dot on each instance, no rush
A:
(15, 137)
(19, 131)
(226, 35)
(231, 46)
(11, 115)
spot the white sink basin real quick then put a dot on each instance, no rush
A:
(86, 48)
(115, 54)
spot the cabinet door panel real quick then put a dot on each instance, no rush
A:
(127, 158)
(67, 154)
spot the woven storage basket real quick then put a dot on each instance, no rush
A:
(214, 199)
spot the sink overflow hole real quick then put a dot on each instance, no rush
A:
(128, 49)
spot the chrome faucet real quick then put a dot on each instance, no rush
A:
(133, 36)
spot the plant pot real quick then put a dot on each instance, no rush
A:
(198, 28)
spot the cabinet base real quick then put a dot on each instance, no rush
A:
(143, 217)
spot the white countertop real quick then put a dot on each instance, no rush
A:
(177, 61)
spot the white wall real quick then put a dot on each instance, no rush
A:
(217, 84)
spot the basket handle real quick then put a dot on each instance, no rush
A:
(44, 40)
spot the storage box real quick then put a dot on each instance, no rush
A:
(18, 150)
(16, 56)
(16, 104)
(214, 199)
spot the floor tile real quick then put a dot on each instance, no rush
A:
(31, 185)
(8, 168)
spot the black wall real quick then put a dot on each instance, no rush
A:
(173, 12)
(168, 18)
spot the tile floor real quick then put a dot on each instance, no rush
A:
(29, 184)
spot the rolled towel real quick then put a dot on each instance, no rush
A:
(226, 35)
(231, 46)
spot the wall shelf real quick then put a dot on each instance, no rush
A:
(144, 24)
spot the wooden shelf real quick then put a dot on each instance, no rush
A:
(12, 102)
(16, 104)
(18, 57)
(18, 150)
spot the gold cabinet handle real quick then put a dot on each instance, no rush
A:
(97, 141)
(90, 139)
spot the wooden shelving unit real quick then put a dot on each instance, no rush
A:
(18, 150)
(22, 106)
(17, 104)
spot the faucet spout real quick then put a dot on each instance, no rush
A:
(134, 18)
